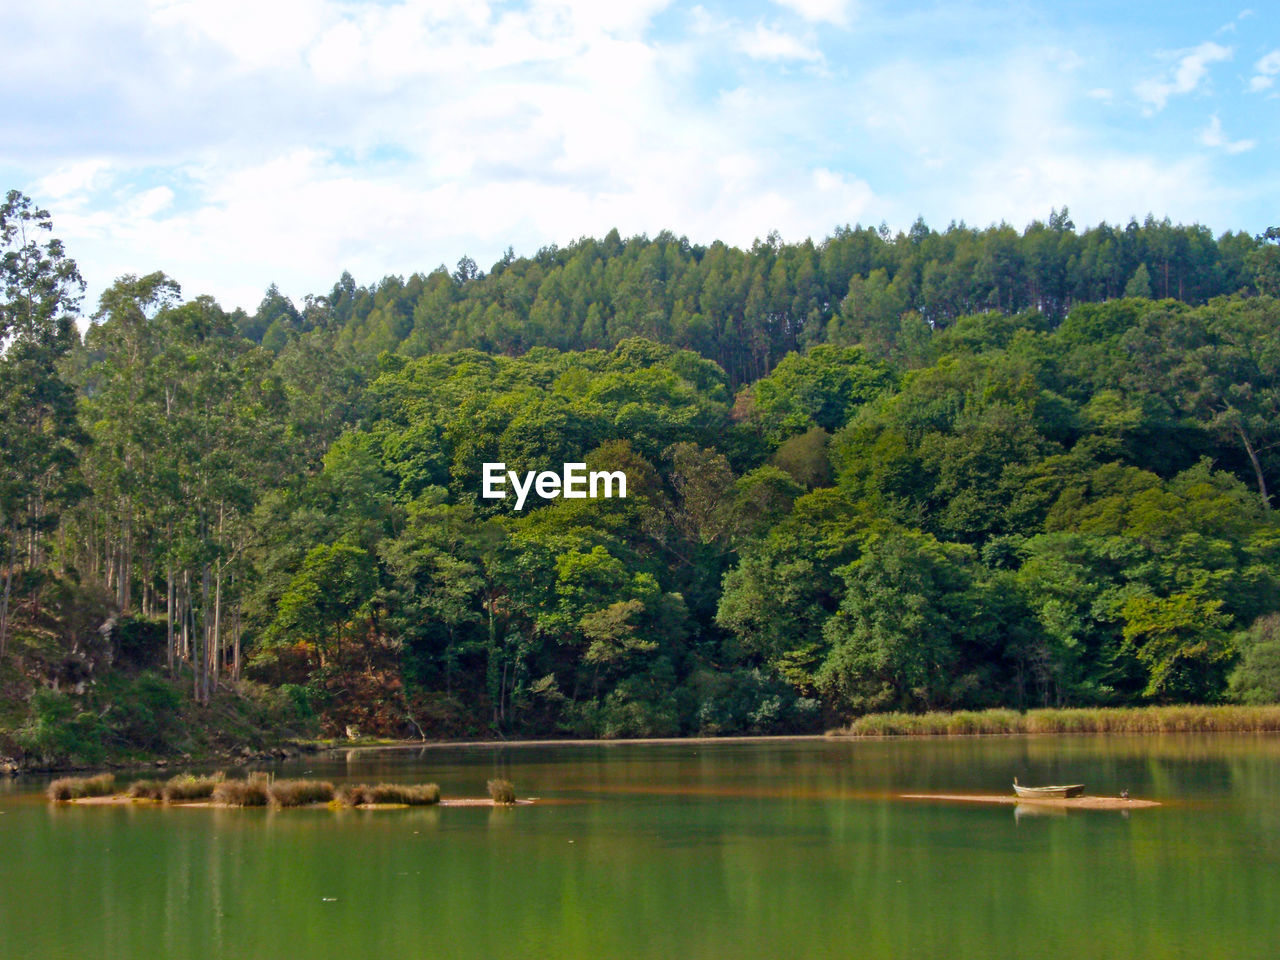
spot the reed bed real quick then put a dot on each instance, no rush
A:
(73, 788)
(501, 791)
(187, 787)
(241, 793)
(299, 793)
(1188, 719)
(411, 794)
(146, 790)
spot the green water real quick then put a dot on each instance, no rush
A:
(780, 849)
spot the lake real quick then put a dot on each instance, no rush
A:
(763, 849)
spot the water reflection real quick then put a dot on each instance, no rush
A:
(685, 850)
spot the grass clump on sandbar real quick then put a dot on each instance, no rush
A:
(146, 790)
(502, 791)
(185, 786)
(1173, 719)
(299, 793)
(74, 788)
(410, 794)
(242, 793)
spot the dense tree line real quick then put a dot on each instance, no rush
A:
(747, 309)
(936, 470)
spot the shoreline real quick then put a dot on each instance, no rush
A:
(341, 745)
(958, 725)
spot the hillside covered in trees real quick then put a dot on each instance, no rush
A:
(928, 470)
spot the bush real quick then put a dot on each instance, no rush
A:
(139, 642)
(186, 787)
(73, 788)
(58, 731)
(242, 793)
(143, 711)
(147, 789)
(501, 791)
(747, 701)
(1256, 679)
(413, 795)
(299, 793)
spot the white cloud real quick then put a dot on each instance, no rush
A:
(836, 12)
(148, 203)
(1191, 68)
(1113, 187)
(299, 220)
(1066, 60)
(254, 34)
(1006, 143)
(388, 139)
(767, 43)
(74, 179)
(1265, 72)
(1212, 136)
(233, 145)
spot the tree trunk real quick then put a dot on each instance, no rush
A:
(202, 682)
(184, 608)
(168, 615)
(4, 598)
(217, 627)
(1257, 469)
(235, 668)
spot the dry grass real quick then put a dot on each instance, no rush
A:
(412, 794)
(1192, 719)
(146, 789)
(501, 791)
(188, 787)
(299, 793)
(73, 788)
(241, 793)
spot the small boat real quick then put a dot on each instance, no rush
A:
(1042, 793)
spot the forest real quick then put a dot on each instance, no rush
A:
(916, 471)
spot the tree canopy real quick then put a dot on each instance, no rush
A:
(932, 470)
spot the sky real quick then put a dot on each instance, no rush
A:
(237, 143)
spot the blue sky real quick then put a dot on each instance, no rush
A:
(234, 144)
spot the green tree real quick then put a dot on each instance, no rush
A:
(40, 289)
(1266, 262)
(1139, 284)
(898, 633)
(329, 600)
(1256, 678)
(1183, 642)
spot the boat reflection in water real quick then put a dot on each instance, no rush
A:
(1021, 810)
